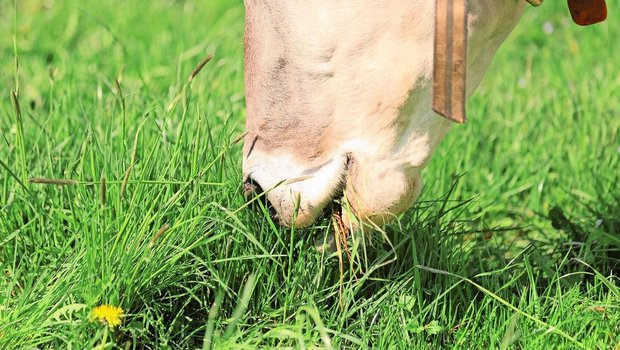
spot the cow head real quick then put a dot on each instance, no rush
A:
(339, 100)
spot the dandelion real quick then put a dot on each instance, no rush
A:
(108, 315)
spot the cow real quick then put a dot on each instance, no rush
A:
(339, 100)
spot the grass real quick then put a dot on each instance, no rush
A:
(514, 244)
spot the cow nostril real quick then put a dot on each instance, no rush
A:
(251, 189)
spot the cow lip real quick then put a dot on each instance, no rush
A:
(332, 203)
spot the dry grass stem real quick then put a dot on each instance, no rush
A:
(199, 67)
(59, 182)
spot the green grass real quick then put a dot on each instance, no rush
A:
(515, 243)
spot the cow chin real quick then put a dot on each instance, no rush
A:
(376, 193)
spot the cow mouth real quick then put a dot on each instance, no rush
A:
(334, 208)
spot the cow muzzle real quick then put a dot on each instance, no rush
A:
(370, 192)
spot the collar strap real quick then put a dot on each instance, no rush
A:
(450, 59)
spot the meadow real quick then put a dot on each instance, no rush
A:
(120, 184)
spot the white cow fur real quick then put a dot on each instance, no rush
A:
(339, 98)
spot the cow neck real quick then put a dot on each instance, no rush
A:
(450, 50)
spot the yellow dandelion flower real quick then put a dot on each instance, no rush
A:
(108, 314)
